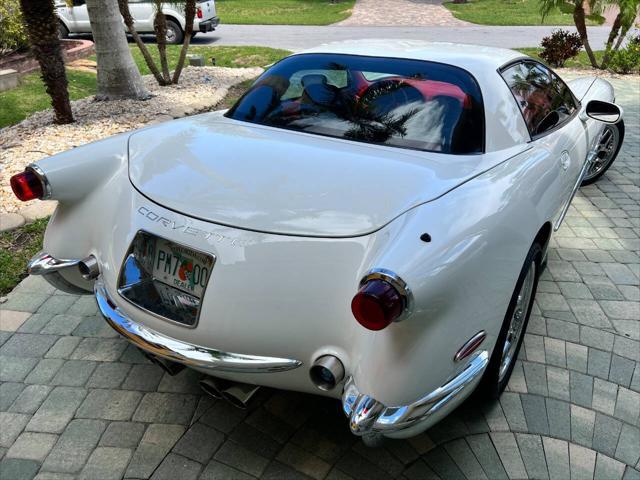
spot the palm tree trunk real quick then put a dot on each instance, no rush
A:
(189, 12)
(160, 28)
(118, 75)
(123, 6)
(581, 26)
(615, 30)
(623, 33)
(42, 29)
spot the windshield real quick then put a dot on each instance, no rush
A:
(397, 102)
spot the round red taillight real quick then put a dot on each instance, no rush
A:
(27, 186)
(377, 304)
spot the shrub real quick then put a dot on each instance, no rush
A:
(627, 59)
(559, 47)
(13, 35)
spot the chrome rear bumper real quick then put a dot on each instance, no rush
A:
(50, 268)
(368, 416)
(182, 352)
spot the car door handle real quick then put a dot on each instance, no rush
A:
(565, 160)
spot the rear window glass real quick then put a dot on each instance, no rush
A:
(397, 102)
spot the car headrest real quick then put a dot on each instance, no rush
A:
(314, 79)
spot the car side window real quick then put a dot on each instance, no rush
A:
(544, 99)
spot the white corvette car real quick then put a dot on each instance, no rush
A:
(368, 222)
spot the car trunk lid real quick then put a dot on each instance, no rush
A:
(278, 181)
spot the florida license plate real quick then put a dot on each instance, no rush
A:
(165, 278)
(181, 267)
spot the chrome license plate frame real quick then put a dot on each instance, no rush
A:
(164, 284)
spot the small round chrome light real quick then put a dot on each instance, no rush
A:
(326, 372)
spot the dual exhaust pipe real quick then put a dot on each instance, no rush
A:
(326, 372)
(237, 394)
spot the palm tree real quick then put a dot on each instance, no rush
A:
(189, 13)
(160, 26)
(628, 9)
(42, 29)
(118, 75)
(123, 6)
(160, 29)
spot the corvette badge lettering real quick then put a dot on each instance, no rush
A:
(184, 228)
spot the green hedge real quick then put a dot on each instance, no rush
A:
(13, 35)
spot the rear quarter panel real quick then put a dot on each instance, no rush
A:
(462, 280)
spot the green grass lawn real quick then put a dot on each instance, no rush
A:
(234, 57)
(513, 12)
(30, 96)
(581, 61)
(16, 249)
(283, 12)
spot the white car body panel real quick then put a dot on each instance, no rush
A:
(283, 281)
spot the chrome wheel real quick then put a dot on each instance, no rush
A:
(517, 321)
(605, 152)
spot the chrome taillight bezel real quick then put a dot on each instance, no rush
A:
(398, 284)
(38, 172)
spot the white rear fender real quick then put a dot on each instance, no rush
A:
(74, 174)
(86, 182)
(461, 280)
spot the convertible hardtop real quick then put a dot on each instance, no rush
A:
(277, 181)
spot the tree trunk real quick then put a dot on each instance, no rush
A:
(42, 29)
(160, 28)
(579, 20)
(118, 75)
(623, 33)
(123, 5)
(615, 30)
(189, 13)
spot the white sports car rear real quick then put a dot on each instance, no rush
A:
(368, 222)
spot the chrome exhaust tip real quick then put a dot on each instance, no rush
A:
(89, 268)
(239, 394)
(213, 386)
(327, 372)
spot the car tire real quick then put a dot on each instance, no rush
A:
(174, 33)
(514, 326)
(608, 149)
(63, 31)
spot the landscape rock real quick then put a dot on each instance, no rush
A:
(200, 90)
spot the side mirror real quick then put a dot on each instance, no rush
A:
(603, 111)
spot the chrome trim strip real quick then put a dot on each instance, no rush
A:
(44, 264)
(397, 282)
(183, 352)
(367, 415)
(46, 186)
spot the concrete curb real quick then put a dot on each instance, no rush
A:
(28, 214)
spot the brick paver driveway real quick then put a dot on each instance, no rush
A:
(76, 401)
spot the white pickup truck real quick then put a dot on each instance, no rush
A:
(75, 18)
